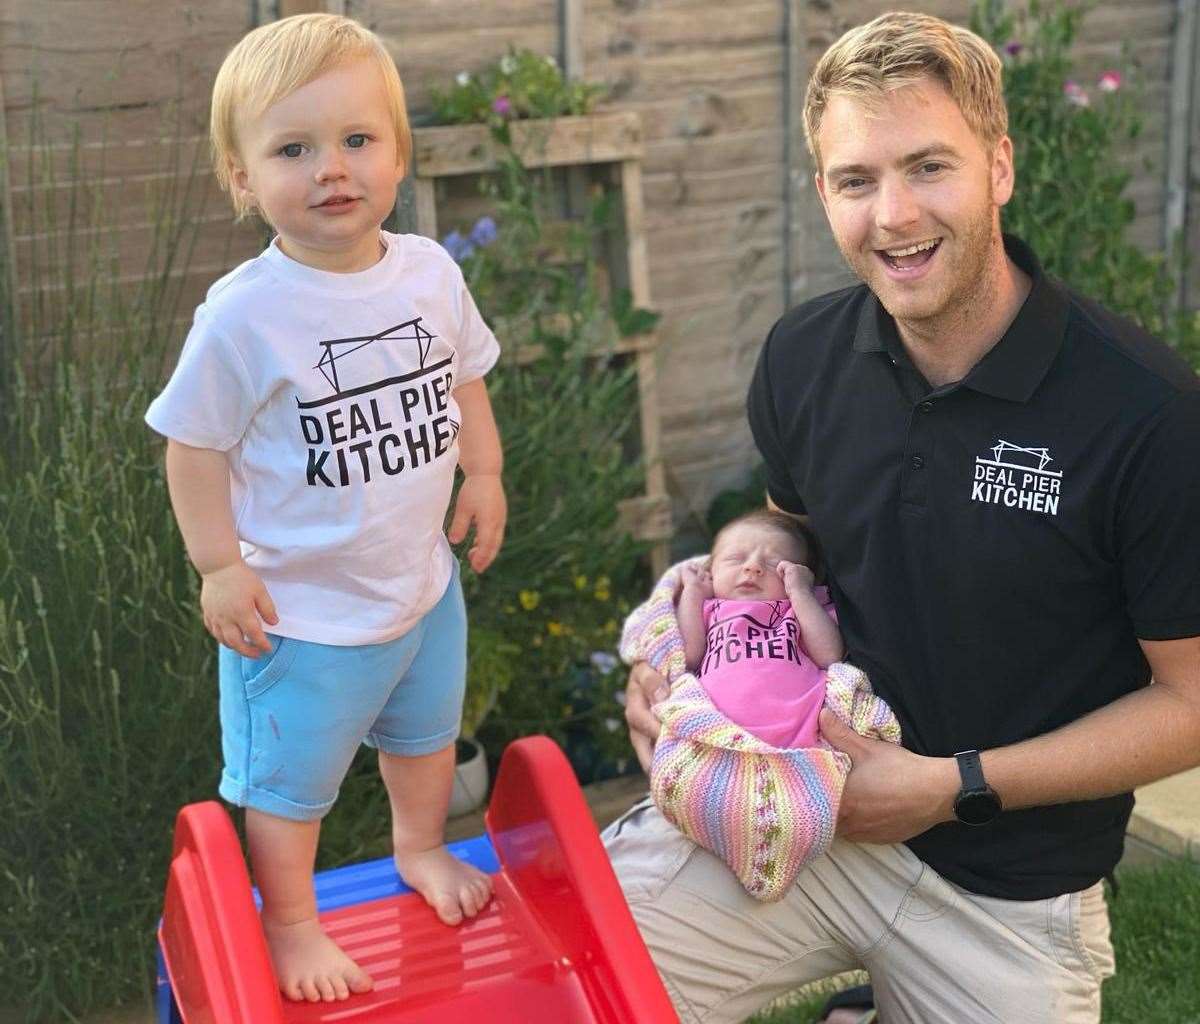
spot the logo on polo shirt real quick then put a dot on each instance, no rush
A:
(1017, 477)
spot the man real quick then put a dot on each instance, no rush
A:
(1004, 480)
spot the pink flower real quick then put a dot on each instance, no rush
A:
(1110, 81)
(1076, 94)
(502, 105)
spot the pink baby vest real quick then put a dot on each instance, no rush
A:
(757, 672)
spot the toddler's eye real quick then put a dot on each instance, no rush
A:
(292, 150)
(356, 141)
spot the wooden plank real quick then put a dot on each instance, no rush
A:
(572, 38)
(8, 240)
(638, 270)
(286, 8)
(697, 188)
(426, 206)
(92, 159)
(731, 25)
(1179, 137)
(446, 19)
(642, 77)
(469, 149)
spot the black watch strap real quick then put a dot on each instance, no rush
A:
(970, 770)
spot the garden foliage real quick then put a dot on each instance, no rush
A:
(1076, 150)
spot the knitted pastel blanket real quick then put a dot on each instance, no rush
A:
(765, 811)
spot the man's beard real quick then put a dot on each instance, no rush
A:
(965, 285)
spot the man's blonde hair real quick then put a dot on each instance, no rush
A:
(275, 60)
(900, 49)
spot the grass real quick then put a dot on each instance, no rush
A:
(1156, 933)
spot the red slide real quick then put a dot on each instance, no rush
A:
(556, 944)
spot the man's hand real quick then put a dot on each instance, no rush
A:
(235, 604)
(891, 794)
(795, 576)
(480, 502)
(645, 687)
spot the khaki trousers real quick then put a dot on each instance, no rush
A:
(936, 953)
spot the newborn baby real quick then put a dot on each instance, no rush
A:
(756, 631)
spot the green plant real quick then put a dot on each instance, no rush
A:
(522, 84)
(1073, 152)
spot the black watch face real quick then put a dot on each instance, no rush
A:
(977, 808)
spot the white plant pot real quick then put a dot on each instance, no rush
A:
(470, 778)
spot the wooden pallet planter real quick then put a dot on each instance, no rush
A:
(609, 146)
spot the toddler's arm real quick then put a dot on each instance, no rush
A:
(697, 588)
(481, 497)
(818, 632)
(232, 597)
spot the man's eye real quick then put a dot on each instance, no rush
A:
(932, 168)
(852, 184)
(356, 141)
(292, 150)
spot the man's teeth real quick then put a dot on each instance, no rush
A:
(919, 247)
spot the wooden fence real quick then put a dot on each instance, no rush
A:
(734, 231)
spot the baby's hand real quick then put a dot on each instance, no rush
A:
(795, 576)
(480, 501)
(235, 604)
(697, 577)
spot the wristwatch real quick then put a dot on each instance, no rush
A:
(977, 803)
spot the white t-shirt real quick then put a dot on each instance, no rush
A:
(333, 396)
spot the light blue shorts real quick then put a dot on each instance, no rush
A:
(292, 720)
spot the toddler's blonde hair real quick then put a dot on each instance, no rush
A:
(275, 60)
(900, 49)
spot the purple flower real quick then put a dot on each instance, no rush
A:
(1110, 81)
(458, 247)
(483, 233)
(1075, 94)
(502, 105)
(603, 661)
(1013, 48)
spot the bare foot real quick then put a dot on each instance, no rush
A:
(310, 965)
(454, 889)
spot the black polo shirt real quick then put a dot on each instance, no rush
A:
(995, 546)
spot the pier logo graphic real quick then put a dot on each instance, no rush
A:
(363, 428)
(1017, 477)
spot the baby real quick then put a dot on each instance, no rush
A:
(326, 394)
(753, 653)
(757, 632)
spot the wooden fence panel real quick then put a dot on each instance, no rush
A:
(733, 227)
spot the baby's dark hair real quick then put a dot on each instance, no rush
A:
(795, 531)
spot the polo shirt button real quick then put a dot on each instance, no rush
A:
(916, 462)
(925, 407)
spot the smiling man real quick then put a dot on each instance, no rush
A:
(1003, 478)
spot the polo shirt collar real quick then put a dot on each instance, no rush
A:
(1018, 362)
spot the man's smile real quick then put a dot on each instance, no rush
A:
(909, 257)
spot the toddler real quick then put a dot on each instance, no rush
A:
(757, 632)
(325, 395)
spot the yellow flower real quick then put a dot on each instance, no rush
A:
(581, 582)
(555, 628)
(610, 626)
(529, 599)
(537, 640)
(601, 594)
